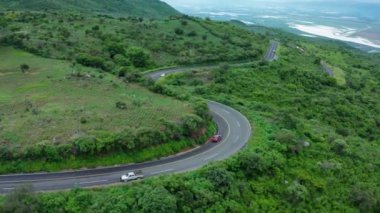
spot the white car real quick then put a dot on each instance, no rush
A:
(163, 75)
(130, 176)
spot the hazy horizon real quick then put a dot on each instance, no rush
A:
(355, 22)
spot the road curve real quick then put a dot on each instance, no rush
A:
(232, 125)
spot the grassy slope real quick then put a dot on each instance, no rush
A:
(45, 104)
(141, 8)
(62, 103)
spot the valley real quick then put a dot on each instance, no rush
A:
(220, 110)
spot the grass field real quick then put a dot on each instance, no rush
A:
(47, 103)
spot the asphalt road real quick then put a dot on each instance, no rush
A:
(327, 69)
(271, 53)
(232, 125)
(160, 73)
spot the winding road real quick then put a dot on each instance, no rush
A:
(232, 125)
(271, 53)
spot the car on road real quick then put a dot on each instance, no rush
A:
(163, 75)
(130, 176)
(215, 138)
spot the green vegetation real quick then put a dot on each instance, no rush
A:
(315, 145)
(53, 110)
(129, 44)
(339, 75)
(140, 8)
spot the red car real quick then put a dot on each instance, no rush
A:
(215, 138)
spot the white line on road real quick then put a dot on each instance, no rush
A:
(163, 171)
(238, 123)
(90, 182)
(212, 156)
(226, 111)
(8, 188)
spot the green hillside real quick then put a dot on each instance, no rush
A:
(109, 43)
(316, 138)
(140, 8)
(71, 107)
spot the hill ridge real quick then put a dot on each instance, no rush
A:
(140, 8)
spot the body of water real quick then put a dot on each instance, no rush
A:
(355, 23)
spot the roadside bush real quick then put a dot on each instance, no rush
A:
(219, 177)
(5, 153)
(148, 137)
(172, 130)
(85, 145)
(201, 108)
(22, 199)
(191, 125)
(158, 200)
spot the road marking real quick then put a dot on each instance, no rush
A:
(90, 182)
(163, 171)
(237, 122)
(226, 111)
(237, 139)
(210, 157)
(8, 188)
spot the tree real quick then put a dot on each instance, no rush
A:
(363, 197)
(254, 163)
(184, 23)
(219, 177)
(114, 49)
(178, 31)
(158, 200)
(289, 139)
(192, 34)
(91, 61)
(147, 137)
(24, 68)
(96, 28)
(138, 56)
(296, 193)
(339, 146)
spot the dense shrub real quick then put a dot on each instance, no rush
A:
(158, 200)
(178, 31)
(138, 56)
(105, 142)
(91, 61)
